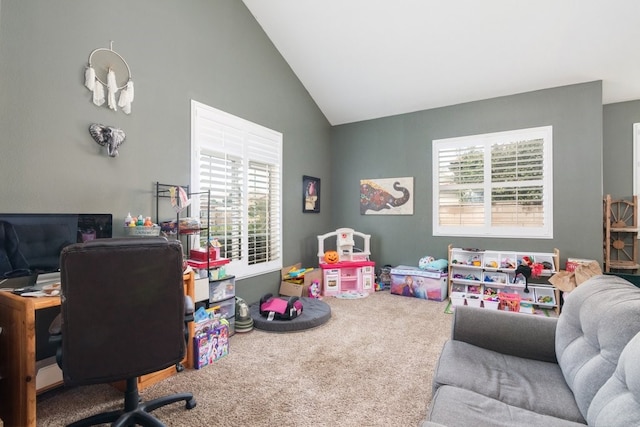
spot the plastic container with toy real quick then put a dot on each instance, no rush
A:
(509, 302)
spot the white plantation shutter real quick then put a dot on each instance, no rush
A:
(494, 185)
(222, 175)
(263, 225)
(240, 163)
(517, 182)
(461, 185)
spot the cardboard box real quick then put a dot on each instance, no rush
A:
(415, 282)
(298, 287)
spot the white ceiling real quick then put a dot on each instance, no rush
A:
(364, 59)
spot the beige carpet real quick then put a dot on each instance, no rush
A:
(371, 364)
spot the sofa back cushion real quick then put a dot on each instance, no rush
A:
(598, 319)
(617, 401)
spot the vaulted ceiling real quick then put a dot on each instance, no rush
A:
(365, 59)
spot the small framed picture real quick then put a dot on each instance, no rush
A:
(310, 194)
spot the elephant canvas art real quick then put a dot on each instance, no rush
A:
(386, 196)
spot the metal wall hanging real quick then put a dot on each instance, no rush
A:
(107, 69)
(107, 136)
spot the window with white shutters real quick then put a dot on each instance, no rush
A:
(494, 185)
(240, 162)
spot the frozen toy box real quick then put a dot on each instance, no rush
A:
(414, 282)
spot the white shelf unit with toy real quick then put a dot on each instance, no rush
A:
(479, 277)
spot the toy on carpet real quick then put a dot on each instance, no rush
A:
(274, 308)
(244, 322)
(294, 274)
(314, 290)
(385, 276)
(347, 268)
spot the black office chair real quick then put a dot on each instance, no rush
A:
(122, 316)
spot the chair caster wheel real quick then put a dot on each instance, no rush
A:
(179, 367)
(191, 403)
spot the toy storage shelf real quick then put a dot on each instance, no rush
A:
(207, 267)
(164, 191)
(476, 275)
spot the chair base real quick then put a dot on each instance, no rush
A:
(134, 412)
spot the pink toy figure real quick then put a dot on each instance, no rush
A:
(314, 290)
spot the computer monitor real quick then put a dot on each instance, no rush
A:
(42, 236)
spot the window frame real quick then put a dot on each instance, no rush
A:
(246, 150)
(636, 159)
(486, 141)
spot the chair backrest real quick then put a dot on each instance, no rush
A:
(122, 308)
(598, 319)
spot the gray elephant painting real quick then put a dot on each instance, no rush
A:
(375, 198)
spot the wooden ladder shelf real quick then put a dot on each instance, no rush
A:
(620, 234)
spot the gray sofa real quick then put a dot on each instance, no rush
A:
(583, 368)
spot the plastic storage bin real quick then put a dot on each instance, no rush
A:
(458, 299)
(141, 231)
(509, 302)
(545, 297)
(222, 289)
(474, 300)
(490, 304)
(226, 308)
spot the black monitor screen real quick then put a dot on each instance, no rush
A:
(94, 226)
(41, 237)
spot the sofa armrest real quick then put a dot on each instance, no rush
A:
(521, 335)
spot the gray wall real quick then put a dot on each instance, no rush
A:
(401, 146)
(212, 51)
(618, 147)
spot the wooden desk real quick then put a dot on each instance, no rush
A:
(18, 356)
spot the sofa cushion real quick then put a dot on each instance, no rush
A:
(501, 331)
(619, 398)
(598, 319)
(457, 407)
(525, 383)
